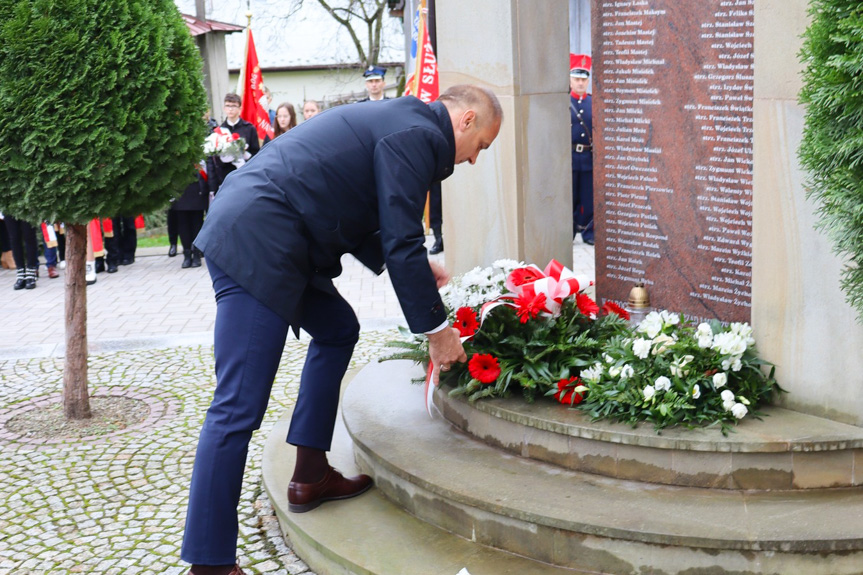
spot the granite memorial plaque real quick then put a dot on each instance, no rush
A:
(672, 160)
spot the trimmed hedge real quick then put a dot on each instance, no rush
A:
(832, 147)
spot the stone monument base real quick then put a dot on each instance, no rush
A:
(515, 496)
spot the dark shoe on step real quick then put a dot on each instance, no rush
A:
(172, 251)
(127, 261)
(30, 275)
(19, 280)
(187, 261)
(437, 247)
(112, 268)
(196, 260)
(304, 497)
(235, 571)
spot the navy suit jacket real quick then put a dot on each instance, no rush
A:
(352, 181)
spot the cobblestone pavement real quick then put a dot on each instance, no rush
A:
(116, 503)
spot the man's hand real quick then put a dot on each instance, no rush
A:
(444, 349)
(441, 276)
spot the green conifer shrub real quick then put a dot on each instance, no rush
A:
(101, 114)
(832, 146)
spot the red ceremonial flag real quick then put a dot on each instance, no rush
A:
(253, 112)
(423, 81)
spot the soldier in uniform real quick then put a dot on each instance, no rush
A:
(374, 76)
(582, 147)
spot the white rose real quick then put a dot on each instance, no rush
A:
(696, 391)
(626, 372)
(648, 392)
(592, 374)
(739, 410)
(651, 325)
(641, 348)
(719, 380)
(727, 395)
(669, 318)
(662, 383)
(727, 405)
(661, 343)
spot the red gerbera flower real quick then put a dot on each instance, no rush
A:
(586, 305)
(566, 391)
(484, 367)
(610, 307)
(529, 306)
(521, 276)
(465, 321)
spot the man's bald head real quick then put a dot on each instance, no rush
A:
(468, 97)
(476, 116)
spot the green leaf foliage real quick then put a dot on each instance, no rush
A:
(832, 146)
(102, 104)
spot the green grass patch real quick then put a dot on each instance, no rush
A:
(153, 241)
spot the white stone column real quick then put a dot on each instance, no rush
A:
(799, 314)
(516, 201)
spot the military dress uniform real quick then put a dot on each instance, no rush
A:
(582, 166)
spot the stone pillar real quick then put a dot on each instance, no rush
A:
(799, 314)
(516, 202)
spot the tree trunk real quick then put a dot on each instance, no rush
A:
(76, 398)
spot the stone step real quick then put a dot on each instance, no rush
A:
(784, 450)
(586, 521)
(370, 535)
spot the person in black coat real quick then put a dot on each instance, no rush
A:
(353, 181)
(217, 170)
(188, 211)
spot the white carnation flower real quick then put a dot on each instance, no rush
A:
(727, 405)
(648, 392)
(662, 383)
(705, 341)
(736, 365)
(727, 395)
(704, 330)
(719, 380)
(626, 372)
(696, 391)
(641, 348)
(739, 410)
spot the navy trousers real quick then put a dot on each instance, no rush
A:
(249, 340)
(582, 204)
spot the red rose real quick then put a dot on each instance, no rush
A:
(529, 307)
(465, 321)
(612, 308)
(566, 391)
(521, 276)
(484, 368)
(586, 305)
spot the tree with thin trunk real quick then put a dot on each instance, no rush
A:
(355, 15)
(101, 104)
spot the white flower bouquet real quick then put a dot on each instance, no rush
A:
(230, 147)
(671, 373)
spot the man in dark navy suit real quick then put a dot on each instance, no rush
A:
(581, 116)
(353, 181)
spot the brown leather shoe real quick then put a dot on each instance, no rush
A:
(304, 497)
(52, 272)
